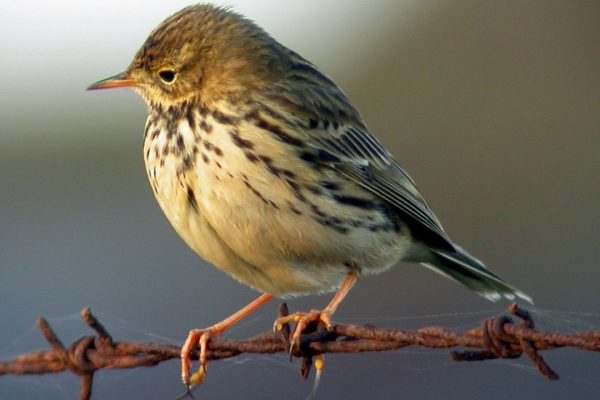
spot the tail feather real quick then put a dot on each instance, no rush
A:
(466, 269)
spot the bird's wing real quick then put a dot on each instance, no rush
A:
(363, 160)
(339, 138)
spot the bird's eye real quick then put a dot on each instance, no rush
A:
(167, 75)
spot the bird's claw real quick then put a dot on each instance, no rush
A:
(319, 364)
(187, 394)
(302, 320)
(197, 378)
(200, 338)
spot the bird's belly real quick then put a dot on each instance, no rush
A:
(263, 223)
(302, 246)
(243, 247)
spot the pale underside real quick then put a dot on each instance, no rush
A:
(250, 223)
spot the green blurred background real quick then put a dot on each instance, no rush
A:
(493, 107)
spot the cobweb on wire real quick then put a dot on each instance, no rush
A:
(53, 386)
(419, 363)
(425, 363)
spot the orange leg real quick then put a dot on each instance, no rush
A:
(201, 337)
(303, 319)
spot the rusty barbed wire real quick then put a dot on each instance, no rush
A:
(498, 337)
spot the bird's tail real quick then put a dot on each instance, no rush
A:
(466, 269)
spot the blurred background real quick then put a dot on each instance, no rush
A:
(493, 107)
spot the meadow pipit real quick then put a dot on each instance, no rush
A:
(266, 170)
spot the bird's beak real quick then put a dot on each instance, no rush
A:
(116, 81)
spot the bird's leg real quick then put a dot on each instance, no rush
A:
(303, 319)
(201, 337)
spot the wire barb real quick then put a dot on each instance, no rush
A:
(498, 337)
(497, 342)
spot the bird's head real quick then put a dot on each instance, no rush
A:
(201, 53)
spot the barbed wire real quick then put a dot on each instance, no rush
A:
(498, 337)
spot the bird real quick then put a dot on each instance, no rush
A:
(267, 170)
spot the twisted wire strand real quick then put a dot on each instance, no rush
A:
(498, 337)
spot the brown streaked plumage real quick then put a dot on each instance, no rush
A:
(266, 169)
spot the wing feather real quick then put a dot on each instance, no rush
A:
(340, 133)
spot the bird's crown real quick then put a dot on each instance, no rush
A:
(204, 51)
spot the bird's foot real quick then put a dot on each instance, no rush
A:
(200, 338)
(319, 363)
(303, 320)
